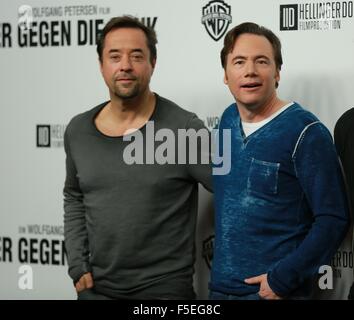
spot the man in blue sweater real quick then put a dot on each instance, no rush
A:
(281, 211)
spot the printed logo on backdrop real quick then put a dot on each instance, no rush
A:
(320, 16)
(343, 259)
(216, 18)
(35, 244)
(212, 122)
(288, 17)
(57, 26)
(208, 249)
(50, 135)
(25, 17)
(150, 22)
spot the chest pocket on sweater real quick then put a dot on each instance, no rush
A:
(263, 177)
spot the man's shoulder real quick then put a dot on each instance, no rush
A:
(231, 110)
(346, 120)
(173, 107)
(83, 119)
(307, 126)
(228, 117)
(302, 113)
(171, 110)
(300, 118)
(348, 115)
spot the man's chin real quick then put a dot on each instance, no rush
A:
(251, 105)
(126, 95)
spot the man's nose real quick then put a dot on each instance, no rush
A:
(251, 69)
(125, 63)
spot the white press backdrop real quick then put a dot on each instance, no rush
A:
(43, 86)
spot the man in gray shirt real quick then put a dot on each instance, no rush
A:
(130, 228)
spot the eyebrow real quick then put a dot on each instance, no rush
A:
(261, 56)
(132, 51)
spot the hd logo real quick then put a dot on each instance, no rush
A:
(43, 136)
(216, 18)
(289, 17)
(50, 136)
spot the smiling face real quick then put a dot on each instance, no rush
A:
(126, 66)
(251, 73)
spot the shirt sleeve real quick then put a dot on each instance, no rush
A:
(75, 233)
(318, 171)
(199, 164)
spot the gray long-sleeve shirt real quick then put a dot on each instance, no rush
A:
(132, 226)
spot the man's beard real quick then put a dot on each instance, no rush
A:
(127, 93)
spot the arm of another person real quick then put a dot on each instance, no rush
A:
(344, 142)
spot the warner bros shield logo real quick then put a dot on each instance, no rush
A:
(216, 18)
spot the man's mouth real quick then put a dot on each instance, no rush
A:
(251, 85)
(125, 78)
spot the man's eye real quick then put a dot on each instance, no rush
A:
(238, 62)
(137, 57)
(115, 58)
(263, 61)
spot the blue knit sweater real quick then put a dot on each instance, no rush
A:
(282, 209)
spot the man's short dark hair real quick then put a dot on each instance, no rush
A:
(252, 28)
(128, 22)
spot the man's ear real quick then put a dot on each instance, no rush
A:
(153, 63)
(277, 76)
(100, 63)
(226, 81)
